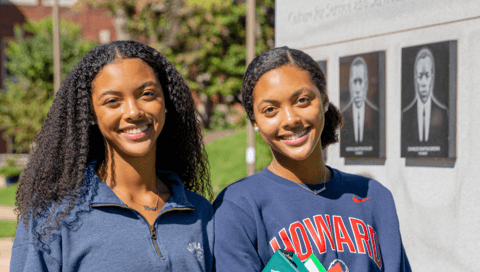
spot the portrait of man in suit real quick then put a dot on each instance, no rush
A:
(360, 134)
(425, 119)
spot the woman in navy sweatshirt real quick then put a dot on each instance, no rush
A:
(112, 183)
(297, 203)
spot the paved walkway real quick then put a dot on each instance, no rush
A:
(6, 213)
(215, 135)
(5, 253)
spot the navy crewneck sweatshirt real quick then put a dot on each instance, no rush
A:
(353, 222)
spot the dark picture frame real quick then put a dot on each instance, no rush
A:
(428, 103)
(362, 103)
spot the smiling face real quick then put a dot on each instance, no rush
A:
(288, 111)
(424, 77)
(358, 84)
(129, 106)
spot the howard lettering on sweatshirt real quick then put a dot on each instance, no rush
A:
(318, 232)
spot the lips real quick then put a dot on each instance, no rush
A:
(135, 133)
(297, 137)
(136, 130)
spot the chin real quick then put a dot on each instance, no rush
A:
(298, 155)
(133, 151)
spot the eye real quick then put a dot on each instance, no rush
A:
(269, 111)
(111, 102)
(303, 100)
(149, 93)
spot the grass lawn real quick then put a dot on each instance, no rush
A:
(227, 158)
(7, 228)
(7, 195)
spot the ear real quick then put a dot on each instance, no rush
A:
(325, 100)
(255, 126)
(325, 106)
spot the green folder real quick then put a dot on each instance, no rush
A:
(286, 261)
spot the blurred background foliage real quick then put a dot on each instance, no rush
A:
(28, 90)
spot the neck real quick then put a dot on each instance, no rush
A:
(131, 174)
(309, 171)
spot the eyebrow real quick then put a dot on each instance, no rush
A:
(296, 93)
(143, 86)
(148, 84)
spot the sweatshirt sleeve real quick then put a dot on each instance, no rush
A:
(235, 239)
(390, 240)
(26, 256)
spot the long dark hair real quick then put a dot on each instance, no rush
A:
(277, 57)
(67, 142)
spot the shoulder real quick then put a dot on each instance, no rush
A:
(33, 240)
(437, 104)
(363, 185)
(347, 109)
(247, 195)
(198, 201)
(244, 189)
(408, 109)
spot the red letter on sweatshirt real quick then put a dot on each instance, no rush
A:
(376, 250)
(297, 243)
(318, 233)
(361, 235)
(341, 235)
(286, 240)
(274, 244)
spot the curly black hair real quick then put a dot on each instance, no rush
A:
(277, 57)
(66, 142)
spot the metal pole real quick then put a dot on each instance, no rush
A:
(250, 153)
(57, 75)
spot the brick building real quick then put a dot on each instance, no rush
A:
(97, 24)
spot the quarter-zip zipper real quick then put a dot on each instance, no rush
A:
(154, 239)
(153, 233)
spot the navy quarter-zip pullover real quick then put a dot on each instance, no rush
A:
(102, 233)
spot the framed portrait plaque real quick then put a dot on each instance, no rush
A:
(362, 103)
(429, 90)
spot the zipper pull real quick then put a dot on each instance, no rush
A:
(152, 230)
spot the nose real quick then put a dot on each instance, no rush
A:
(291, 119)
(132, 111)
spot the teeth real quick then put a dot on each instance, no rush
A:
(298, 135)
(136, 130)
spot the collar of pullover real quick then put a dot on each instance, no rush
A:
(105, 196)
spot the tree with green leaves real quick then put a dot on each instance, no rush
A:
(205, 42)
(28, 95)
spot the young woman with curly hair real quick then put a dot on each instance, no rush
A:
(114, 181)
(298, 203)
